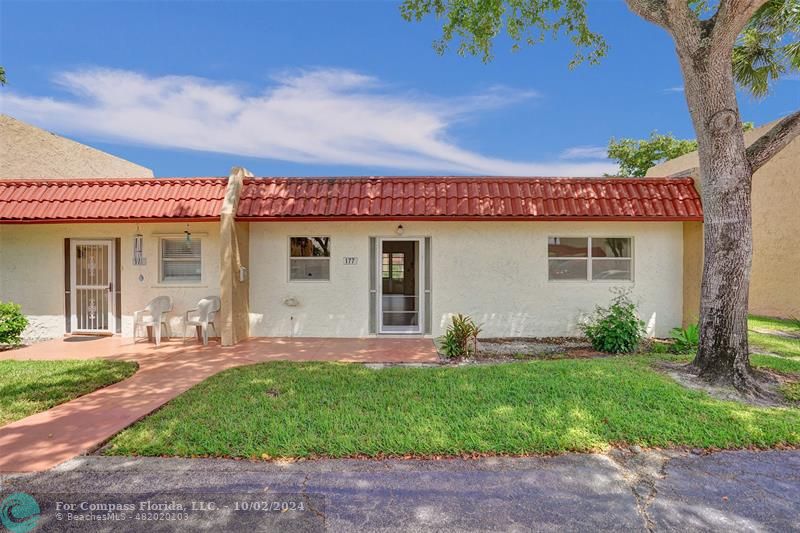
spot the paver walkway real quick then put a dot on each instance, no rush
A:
(46, 439)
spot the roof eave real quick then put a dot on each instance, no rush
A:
(387, 218)
(144, 220)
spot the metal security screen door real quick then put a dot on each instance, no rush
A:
(92, 286)
(399, 272)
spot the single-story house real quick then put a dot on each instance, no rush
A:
(775, 276)
(345, 257)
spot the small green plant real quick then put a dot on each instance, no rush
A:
(461, 337)
(686, 340)
(12, 323)
(616, 328)
(791, 391)
(658, 347)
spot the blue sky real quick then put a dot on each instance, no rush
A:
(334, 88)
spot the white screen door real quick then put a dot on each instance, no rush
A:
(92, 280)
(399, 272)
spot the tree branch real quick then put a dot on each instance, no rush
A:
(732, 16)
(654, 11)
(681, 9)
(774, 140)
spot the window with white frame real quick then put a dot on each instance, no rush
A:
(180, 261)
(309, 258)
(590, 258)
(394, 266)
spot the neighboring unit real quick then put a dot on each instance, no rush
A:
(775, 278)
(345, 257)
(30, 152)
(84, 255)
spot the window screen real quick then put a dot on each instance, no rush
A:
(180, 261)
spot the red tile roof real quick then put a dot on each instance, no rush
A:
(473, 198)
(117, 200)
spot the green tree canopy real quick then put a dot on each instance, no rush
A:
(767, 48)
(637, 156)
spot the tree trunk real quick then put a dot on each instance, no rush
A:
(725, 177)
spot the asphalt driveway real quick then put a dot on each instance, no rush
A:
(621, 491)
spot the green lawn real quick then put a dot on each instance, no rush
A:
(779, 324)
(789, 366)
(772, 343)
(285, 409)
(28, 387)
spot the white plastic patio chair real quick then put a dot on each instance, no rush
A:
(202, 317)
(154, 315)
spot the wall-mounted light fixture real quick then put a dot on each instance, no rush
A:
(187, 241)
(399, 229)
(138, 248)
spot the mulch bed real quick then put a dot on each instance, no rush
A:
(9, 347)
(507, 349)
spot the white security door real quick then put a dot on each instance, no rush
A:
(92, 280)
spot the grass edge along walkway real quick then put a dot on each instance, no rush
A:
(30, 387)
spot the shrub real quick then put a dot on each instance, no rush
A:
(616, 328)
(12, 323)
(461, 337)
(686, 340)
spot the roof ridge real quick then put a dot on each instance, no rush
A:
(106, 181)
(594, 179)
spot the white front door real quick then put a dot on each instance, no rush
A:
(400, 277)
(92, 286)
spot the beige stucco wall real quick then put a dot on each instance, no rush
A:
(692, 271)
(30, 152)
(494, 271)
(32, 270)
(775, 281)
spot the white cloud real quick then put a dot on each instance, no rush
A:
(585, 152)
(329, 116)
(678, 89)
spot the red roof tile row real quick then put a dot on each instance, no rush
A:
(77, 200)
(470, 198)
(442, 198)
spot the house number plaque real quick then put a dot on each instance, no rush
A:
(349, 260)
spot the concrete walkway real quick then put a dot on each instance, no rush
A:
(46, 439)
(623, 491)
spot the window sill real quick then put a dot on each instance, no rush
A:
(178, 285)
(594, 281)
